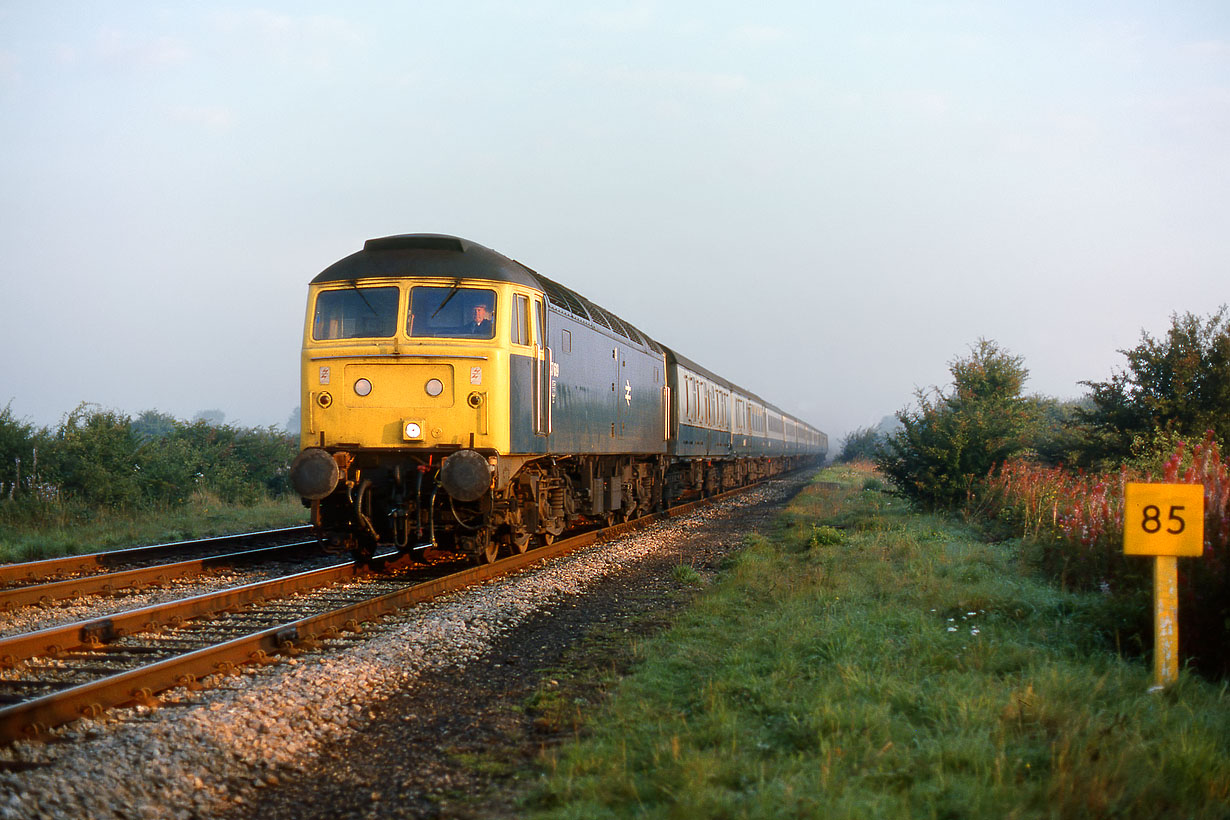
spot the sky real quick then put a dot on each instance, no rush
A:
(826, 203)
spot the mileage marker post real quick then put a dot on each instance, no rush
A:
(1165, 521)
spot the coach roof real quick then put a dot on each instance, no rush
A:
(428, 255)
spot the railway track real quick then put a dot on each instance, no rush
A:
(156, 575)
(56, 675)
(71, 566)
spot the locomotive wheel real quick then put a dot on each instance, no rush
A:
(491, 551)
(551, 529)
(483, 549)
(518, 540)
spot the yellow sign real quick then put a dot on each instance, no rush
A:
(1163, 519)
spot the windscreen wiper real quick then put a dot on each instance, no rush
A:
(355, 286)
(452, 292)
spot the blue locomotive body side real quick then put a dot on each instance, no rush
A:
(604, 394)
(607, 391)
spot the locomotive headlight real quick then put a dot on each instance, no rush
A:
(363, 387)
(434, 387)
(412, 430)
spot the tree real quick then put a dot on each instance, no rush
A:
(954, 439)
(214, 417)
(860, 445)
(152, 424)
(1176, 385)
(293, 421)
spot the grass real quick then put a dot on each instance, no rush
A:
(29, 531)
(865, 661)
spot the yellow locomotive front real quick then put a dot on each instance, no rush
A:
(408, 353)
(402, 363)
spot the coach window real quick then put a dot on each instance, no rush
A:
(451, 313)
(521, 320)
(355, 313)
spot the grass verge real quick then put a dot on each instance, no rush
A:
(50, 530)
(866, 661)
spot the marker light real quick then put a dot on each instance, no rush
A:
(413, 430)
(363, 387)
(434, 387)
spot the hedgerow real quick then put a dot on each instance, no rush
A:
(99, 457)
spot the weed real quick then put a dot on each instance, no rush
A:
(686, 575)
(825, 536)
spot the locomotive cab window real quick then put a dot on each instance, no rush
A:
(356, 313)
(451, 313)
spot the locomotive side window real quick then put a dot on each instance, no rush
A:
(521, 320)
(451, 313)
(356, 313)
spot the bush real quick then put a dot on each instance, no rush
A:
(93, 458)
(954, 440)
(237, 465)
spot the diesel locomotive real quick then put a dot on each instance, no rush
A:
(453, 397)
